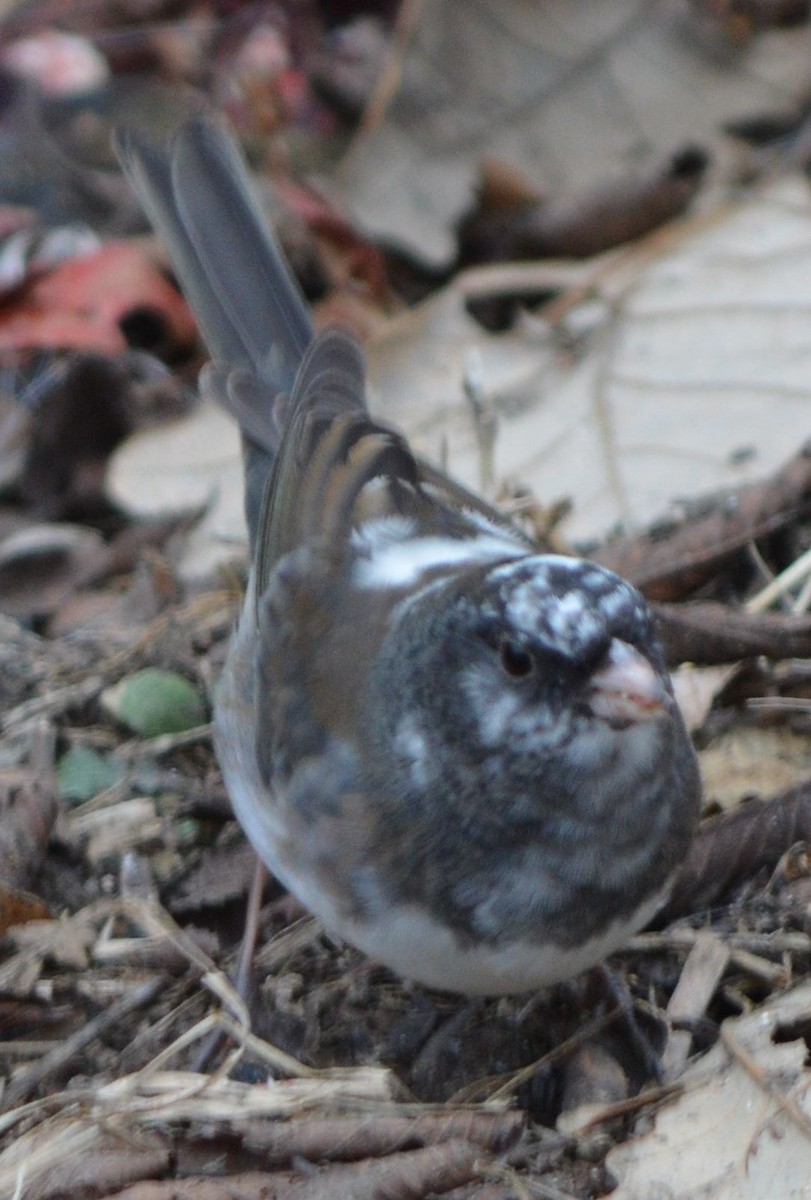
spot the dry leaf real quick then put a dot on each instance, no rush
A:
(742, 1128)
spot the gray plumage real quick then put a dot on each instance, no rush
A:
(464, 756)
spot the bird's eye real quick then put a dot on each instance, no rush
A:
(515, 660)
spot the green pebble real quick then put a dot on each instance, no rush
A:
(153, 702)
(82, 773)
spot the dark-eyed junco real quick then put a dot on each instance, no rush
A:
(464, 756)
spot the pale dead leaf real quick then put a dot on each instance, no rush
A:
(753, 761)
(191, 464)
(742, 1128)
(571, 92)
(65, 941)
(111, 831)
(695, 689)
(693, 374)
(697, 378)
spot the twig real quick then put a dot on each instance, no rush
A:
(506, 1087)
(700, 976)
(164, 743)
(796, 573)
(753, 1069)
(54, 703)
(53, 1063)
(388, 80)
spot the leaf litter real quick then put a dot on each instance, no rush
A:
(601, 416)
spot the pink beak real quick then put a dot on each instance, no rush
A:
(627, 688)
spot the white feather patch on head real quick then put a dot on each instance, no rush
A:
(563, 601)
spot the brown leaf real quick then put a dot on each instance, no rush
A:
(407, 1176)
(347, 1138)
(40, 567)
(709, 633)
(669, 564)
(17, 907)
(223, 875)
(733, 847)
(114, 1162)
(86, 404)
(586, 225)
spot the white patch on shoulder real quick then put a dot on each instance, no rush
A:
(486, 525)
(399, 563)
(383, 531)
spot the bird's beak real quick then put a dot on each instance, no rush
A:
(626, 688)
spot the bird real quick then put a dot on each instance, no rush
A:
(462, 754)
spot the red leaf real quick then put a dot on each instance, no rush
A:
(86, 303)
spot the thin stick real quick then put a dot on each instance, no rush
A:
(53, 1063)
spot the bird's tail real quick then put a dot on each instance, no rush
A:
(197, 193)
